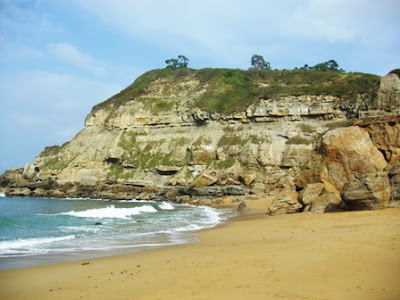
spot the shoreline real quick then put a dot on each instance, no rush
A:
(301, 256)
(77, 244)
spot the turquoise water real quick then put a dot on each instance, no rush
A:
(37, 231)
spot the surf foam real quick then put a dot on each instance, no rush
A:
(25, 243)
(166, 206)
(111, 212)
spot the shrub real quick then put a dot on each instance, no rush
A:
(339, 124)
(255, 139)
(50, 150)
(306, 128)
(225, 164)
(297, 140)
(395, 71)
(202, 140)
(229, 139)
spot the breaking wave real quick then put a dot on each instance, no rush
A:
(111, 212)
(25, 243)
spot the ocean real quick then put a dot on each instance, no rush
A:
(36, 231)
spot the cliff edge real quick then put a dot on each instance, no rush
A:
(185, 135)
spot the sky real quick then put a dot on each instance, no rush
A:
(59, 58)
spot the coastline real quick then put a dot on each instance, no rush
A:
(353, 255)
(76, 229)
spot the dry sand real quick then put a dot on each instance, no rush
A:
(349, 255)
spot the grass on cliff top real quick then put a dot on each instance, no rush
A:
(52, 150)
(231, 90)
(141, 84)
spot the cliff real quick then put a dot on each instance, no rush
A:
(189, 134)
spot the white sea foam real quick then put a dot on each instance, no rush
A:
(112, 212)
(2, 194)
(190, 227)
(90, 229)
(213, 216)
(84, 198)
(136, 201)
(166, 206)
(25, 243)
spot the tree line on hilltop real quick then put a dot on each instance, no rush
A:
(258, 63)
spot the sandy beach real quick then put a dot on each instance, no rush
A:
(347, 255)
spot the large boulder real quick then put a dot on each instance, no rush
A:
(313, 172)
(270, 153)
(206, 178)
(30, 171)
(325, 203)
(348, 152)
(258, 188)
(311, 192)
(370, 191)
(285, 202)
(21, 191)
(388, 96)
(296, 155)
(386, 137)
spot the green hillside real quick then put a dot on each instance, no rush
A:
(230, 90)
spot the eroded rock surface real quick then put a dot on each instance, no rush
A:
(287, 202)
(370, 191)
(157, 144)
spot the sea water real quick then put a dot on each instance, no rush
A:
(36, 231)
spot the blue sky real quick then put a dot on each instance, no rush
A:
(58, 58)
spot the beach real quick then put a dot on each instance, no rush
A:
(344, 255)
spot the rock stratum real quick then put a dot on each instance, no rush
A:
(196, 135)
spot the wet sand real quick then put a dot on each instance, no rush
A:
(348, 255)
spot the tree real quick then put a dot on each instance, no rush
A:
(172, 63)
(258, 62)
(305, 67)
(321, 67)
(183, 61)
(330, 65)
(177, 63)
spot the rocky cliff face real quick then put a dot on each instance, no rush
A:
(349, 169)
(178, 137)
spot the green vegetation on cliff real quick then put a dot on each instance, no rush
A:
(232, 90)
(395, 71)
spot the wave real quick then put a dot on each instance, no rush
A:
(111, 212)
(24, 243)
(89, 229)
(83, 198)
(136, 201)
(2, 194)
(166, 206)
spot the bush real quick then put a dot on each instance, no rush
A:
(306, 128)
(298, 141)
(395, 71)
(229, 139)
(339, 124)
(50, 150)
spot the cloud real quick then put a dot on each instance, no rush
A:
(21, 20)
(344, 20)
(48, 101)
(13, 52)
(225, 31)
(26, 119)
(42, 108)
(72, 55)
